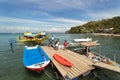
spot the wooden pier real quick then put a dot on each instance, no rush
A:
(81, 64)
(107, 66)
(112, 66)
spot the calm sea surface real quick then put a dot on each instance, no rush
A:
(11, 65)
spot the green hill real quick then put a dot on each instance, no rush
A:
(111, 25)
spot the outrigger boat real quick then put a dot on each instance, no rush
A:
(35, 58)
(96, 57)
(108, 68)
(83, 40)
(76, 42)
(30, 37)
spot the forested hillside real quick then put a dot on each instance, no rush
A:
(103, 26)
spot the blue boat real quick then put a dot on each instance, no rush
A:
(35, 58)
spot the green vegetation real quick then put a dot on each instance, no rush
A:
(103, 26)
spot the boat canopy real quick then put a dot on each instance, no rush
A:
(83, 40)
(88, 44)
(34, 35)
(30, 35)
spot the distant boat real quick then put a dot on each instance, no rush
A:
(35, 58)
(62, 60)
(78, 41)
(83, 40)
(30, 37)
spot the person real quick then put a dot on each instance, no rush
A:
(52, 38)
(90, 55)
(86, 50)
(57, 43)
(50, 43)
(11, 45)
(65, 44)
(19, 38)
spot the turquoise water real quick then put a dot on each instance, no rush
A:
(11, 65)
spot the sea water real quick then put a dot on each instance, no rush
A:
(11, 63)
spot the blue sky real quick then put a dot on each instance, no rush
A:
(53, 15)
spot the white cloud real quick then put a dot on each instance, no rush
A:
(21, 25)
(104, 14)
(47, 11)
(104, 0)
(31, 0)
(70, 21)
(21, 29)
(54, 5)
(46, 14)
(7, 19)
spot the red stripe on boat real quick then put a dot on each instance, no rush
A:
(37, 69)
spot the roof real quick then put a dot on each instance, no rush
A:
(83, 39)
(88, 44)
(30, 35)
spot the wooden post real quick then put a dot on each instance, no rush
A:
(87, 51)
(99, 51)
(11, 45)
(115, 57)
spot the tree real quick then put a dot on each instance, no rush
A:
(99, 26)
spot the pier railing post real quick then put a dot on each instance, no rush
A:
(115, 57)
(99, 51)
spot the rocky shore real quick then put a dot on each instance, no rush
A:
(106, 34)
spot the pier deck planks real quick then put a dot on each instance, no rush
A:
(106, 66)
(81, 64)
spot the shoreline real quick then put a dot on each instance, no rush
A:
(106, 34)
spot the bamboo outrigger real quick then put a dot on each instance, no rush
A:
(99, 60)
